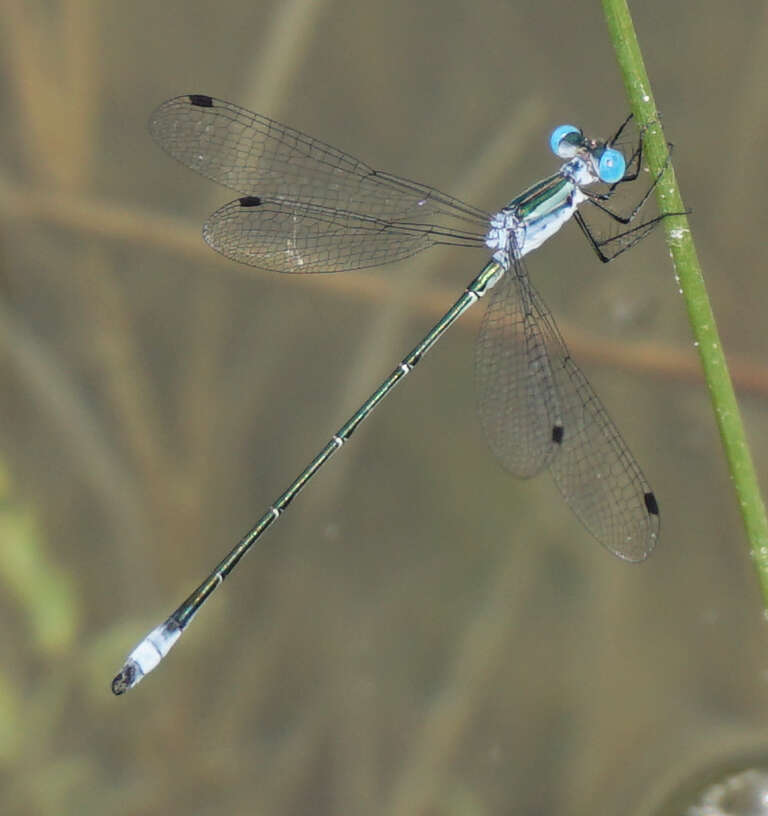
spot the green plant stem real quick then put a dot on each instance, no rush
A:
(687, 268)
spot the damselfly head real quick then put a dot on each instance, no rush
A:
(608, 164)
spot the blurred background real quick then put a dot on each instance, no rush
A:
(421, 633)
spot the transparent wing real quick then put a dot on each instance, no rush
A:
(286, 236)
(517, 398)
(594, 469)
(260, 157)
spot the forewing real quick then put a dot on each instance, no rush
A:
(595, 470)
(260, 157)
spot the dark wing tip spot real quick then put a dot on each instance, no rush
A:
(650, 504)
(201, 100)
(250, 201)
(557, 434)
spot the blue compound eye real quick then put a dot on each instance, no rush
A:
(611, 166)
(558, 134)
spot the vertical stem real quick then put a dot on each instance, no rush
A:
(688, 272)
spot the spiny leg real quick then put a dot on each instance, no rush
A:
(632, 236)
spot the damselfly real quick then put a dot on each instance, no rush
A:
(306, 207)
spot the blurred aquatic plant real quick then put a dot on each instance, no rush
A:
(43, 591)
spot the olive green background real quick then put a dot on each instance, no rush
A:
(421, 633)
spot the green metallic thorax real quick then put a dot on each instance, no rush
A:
(542, 198)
